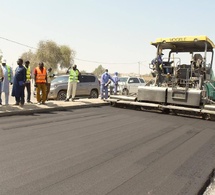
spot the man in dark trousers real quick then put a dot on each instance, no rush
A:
(19, 83)
(50, 76)
(28, 81)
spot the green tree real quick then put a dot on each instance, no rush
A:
(1, 56)
(99, 71)
(49, 53)
(30, 56)
(83, 71)
(53, 55)
(67, 56)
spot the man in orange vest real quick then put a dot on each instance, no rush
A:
(40, 75)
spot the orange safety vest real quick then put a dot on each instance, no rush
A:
(41, 75)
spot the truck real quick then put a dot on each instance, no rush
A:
(183, 82)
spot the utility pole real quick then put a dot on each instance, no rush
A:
(139, 68)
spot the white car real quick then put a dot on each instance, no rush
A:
(129, 85)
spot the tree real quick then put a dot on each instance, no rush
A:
(67, 56)
(1, 56)
(30, 56)
(99, 71)
(83, 71)
(53, 55)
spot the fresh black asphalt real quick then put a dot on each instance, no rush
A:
(105, 150)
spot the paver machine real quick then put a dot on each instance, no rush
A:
(183, 82)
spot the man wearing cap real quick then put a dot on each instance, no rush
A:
(105, 81)
(158, 64)
(8, 79)
(74, 75)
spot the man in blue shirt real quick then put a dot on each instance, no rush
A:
(105, 81)
(116, 79)
(158, 66)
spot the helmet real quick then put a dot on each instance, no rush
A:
(116, 73)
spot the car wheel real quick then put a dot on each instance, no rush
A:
(94, 94)
(125, 92)
(61, 95)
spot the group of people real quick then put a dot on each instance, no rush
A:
(21, 80)
(105, 81)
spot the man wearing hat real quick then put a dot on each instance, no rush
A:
(158, 64)
(72, 82)
(105, 81)
(8, 79)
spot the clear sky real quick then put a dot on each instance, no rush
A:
(114, 33)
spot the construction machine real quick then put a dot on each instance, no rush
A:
(183, 81)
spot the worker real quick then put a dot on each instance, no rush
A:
(40, 76)
(105, 81)
(50, 76)
(116, 79)
(8, 79)
(74, 75)
(158, 66)
(28, 80)
(197, 61)
(19, 83)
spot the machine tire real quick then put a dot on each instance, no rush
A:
(61, 95)
(125, 92)
(113, 104)
(206, 116)
(94, 93)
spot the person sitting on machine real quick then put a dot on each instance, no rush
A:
(197, 61)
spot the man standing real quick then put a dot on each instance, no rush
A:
(8, 76)
(116, 80)
(50, 76)
(158, 66)
(72, 83)
(28, 81)
(105, 81)
(19, 83)
(40, 76)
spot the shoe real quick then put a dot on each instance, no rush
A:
(16, 104)
(43, 103)
(0, 104)
(29, 102)
(73, 99)
(38, 103)
(66, 100)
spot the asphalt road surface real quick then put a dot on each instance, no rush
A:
(105, 150)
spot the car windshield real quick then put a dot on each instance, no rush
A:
(142, 81)
(123, 79)
(60, 79)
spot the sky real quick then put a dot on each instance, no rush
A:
(114, 33)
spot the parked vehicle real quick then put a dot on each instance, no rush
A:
(88, 87)
(129, 85)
